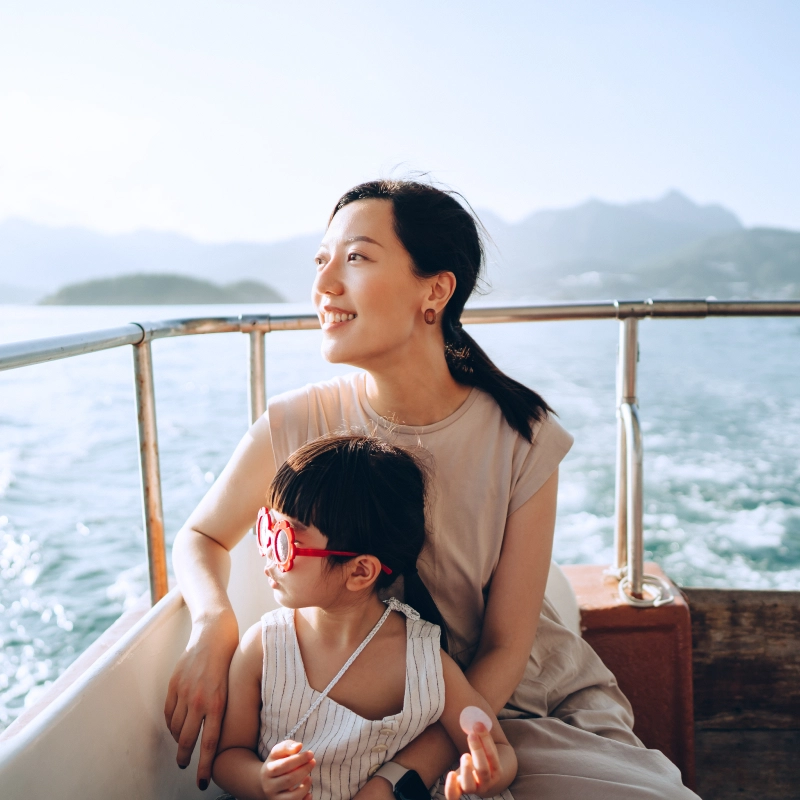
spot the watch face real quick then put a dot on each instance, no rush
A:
(411, 787)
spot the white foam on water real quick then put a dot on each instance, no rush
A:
(763, 526)
(722, 478)
(129, 586)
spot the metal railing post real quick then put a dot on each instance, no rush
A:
(635, 501)
(257, 376)
(627, 357)
(150, 474)
(629, 539)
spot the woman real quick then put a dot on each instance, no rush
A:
(396, 266)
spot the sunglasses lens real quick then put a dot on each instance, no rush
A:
(281, 547)
(262, 531)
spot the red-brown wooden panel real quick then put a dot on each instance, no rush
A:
(649, 650)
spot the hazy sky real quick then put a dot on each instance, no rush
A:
(246, 120)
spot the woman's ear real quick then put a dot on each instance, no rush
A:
(440, 289)
(364, 570)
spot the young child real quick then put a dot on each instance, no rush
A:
(327, 689)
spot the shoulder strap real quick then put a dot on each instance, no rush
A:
(324, 693)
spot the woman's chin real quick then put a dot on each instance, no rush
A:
(352, 350)
(335, 353)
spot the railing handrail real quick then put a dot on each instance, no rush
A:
(37, 351)
(629, 536)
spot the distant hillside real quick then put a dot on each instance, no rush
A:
(42, 259)
(597, 237)
(133, 290)
(760, 263)
(668, 247)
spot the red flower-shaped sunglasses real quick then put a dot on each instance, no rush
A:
(276, 540)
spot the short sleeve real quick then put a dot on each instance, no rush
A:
(288, 422)
(538, 461)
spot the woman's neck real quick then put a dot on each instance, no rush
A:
(415, 390)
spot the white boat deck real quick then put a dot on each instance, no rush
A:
(103, 734)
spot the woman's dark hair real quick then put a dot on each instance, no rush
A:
(441, 235)
(366, 496)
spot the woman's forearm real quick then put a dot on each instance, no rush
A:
(202, 567)
(496, 672)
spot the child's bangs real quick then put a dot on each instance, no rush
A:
(322, 487)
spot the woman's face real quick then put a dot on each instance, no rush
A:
(369, 301)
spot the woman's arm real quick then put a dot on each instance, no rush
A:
(515, 598)
(496, 768)
(197, 691)
(509, 628)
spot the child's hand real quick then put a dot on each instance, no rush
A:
(285, 775)
(478, 768)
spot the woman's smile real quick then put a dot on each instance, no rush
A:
(331, 317)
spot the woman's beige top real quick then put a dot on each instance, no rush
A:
(481, 471)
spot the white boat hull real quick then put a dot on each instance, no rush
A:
(104, 736)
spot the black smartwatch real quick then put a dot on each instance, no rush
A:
(406, 784)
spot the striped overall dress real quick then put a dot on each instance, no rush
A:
(348, 748)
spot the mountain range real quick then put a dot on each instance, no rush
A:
(669, 247)
(153, 289)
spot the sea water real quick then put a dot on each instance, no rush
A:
(720, 409)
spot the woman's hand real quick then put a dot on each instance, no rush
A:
(480, 771)
(198, 691)
(286, 774)
(201, 556)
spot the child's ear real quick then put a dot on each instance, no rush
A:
(364, 571)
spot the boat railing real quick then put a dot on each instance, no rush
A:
(635, 586)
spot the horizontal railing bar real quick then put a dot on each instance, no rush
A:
(538, 313)
(753, 308)
(164, 329)
(36, 351)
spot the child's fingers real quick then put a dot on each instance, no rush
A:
(489, 746)
(283, 749)
(293, 767)
(484, 753)
(480, 763)
(296, 793)
(286, 780)
(293, 784)
(466, 775)
(452, 791)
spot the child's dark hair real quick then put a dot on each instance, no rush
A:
(366, 496)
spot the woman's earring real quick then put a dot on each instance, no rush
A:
(430, 316)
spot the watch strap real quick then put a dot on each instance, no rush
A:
(392, 771)
(411, 787)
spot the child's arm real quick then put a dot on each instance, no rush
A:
(237, 767)
(489, 764)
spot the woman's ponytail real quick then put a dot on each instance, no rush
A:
(469, 365)
(441, 235)
(418, 597)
